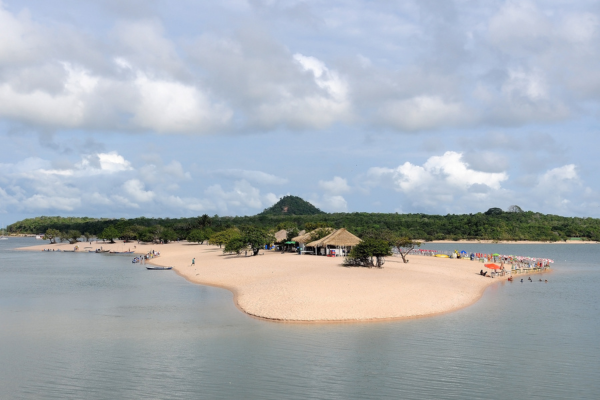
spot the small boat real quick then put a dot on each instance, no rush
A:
(121, 252)
(442, 256)
(157, 268)
(102, 251)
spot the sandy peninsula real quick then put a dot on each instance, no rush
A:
(293, 288)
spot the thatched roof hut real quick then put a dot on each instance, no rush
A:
(304, 236)
(280, 236)
(338, 238)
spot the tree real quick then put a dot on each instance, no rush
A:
(52, 235)
(73, 236)
(363, 253)
(256, 238)
(109, 233)
(87, 236)
(515, 209)
(494, 211)
(404, 246)
(311, 226)
(198, 235)
(235, 245)
(128, 234)
(204, 221)
(168, 235)
(62, 236)
(146, 235)
(223, 237)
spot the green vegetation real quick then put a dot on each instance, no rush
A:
(292, 205)
(249, 237)
(363, 253)
(494, 224)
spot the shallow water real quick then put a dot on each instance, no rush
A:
(96, 326)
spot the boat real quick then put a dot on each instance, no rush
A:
(102, 251)
(121, 252)
(442, 256)
(157, 268)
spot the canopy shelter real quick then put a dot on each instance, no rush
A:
(339, 239)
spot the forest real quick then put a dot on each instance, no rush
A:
(494, 224)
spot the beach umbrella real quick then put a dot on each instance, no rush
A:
(463, 252)
(492, 266)
(495, 254)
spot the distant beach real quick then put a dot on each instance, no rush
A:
(292, 288)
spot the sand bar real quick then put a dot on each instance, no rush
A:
(289, 287)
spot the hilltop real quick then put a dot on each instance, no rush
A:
(292, 205)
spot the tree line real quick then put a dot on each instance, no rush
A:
(494, 224)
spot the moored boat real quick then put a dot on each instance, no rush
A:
(158, 268)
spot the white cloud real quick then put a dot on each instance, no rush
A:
(335, 186)
(136, 190)
(173, 107)
(559, 179)
(330, 203)
(438, 182)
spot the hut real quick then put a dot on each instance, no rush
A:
(305, 237)
(341, 241)
(280, 236)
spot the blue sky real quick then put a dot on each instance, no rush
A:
(123, 108)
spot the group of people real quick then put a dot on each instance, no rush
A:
(142, 259)
(530, 280)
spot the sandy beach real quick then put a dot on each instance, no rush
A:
(289, 287)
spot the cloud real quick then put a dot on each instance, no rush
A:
(335, 186)
(259, 177)
(424, 112)
(330, 203)
(135, 189)
(243, 196)
(439, 182)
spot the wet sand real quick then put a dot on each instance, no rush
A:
(289, 287)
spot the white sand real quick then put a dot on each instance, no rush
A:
(289, 287)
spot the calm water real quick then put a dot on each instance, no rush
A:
(92, 326)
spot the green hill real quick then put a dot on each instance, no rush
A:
(292, 205)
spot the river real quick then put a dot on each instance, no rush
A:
(78, 325)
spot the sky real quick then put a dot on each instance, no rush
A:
(126, 108)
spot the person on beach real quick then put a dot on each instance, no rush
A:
(194, 261)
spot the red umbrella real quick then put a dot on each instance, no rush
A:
(492, 266)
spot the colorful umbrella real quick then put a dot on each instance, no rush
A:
(492, 266)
